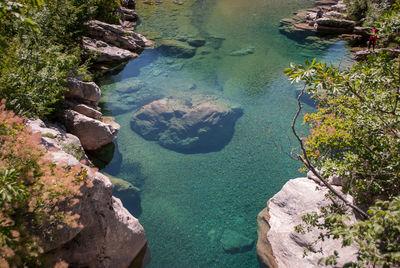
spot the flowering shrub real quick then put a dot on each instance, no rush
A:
(36, 195)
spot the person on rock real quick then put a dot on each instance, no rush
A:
(372, 39)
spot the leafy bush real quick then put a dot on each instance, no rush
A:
(39, 58)
(33, 76)
(35, 195)
(355, 134)
(358, 9)
(106, 10)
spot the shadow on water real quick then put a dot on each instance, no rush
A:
(103, 156)
(307, 99)
(131, 200)
(133, 68)
(127, 189)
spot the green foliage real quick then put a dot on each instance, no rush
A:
(389, 24)
(358, 9)
(40, 47)
(377, 237)
(33, 76)
(11, 191)
(106, 10)
(355, 134)
(48, 135)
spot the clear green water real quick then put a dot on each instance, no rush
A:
(188, 200)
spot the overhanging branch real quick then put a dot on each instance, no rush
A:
(305, 160)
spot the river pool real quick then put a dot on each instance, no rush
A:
(188, 201)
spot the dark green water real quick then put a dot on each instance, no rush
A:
(188, 200)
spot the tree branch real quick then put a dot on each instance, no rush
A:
(305, 160)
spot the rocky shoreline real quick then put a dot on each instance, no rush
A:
(107, 234)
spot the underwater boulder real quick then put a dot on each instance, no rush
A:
(185, 125)
(178, 49)
(128, 193)
(243, 51)
(234, 242)
(196, 42)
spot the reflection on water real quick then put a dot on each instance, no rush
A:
(188, 201)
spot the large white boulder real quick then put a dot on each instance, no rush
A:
(92, 133)
(279, 245)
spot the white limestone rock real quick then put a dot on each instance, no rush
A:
(87, 92)
(279, 245)
(92, 133)
(106, 53)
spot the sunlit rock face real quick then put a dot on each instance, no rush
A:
(106, 235)
(279, 245)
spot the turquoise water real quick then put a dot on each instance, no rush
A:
(188, 200)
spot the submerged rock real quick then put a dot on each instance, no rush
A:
(186, 126)
(215, 41)
(129, 86)
(196, 42)
(178, 49)
(234, 242)
(243, 51)
(279, 245)
(129, 194)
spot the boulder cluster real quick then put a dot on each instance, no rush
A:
(83, 119)
(106, 235)
(327, 17)
(113, 44)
